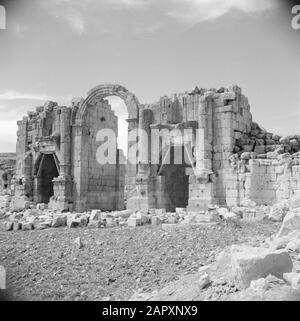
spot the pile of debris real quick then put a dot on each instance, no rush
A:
(39, 217)
(264, 145)
(242, 272)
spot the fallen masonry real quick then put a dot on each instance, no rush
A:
(243, 272)
(40, 217)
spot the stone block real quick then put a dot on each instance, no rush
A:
(250, 263)
(59, 220)
(278, 212)
(290, 223)
(27, 226)
(41, 206)
(83, 221)
(110, 222)
(143, 217)
(294, 202)
(95, 215)
(94, 224)
(156, 220)
(293, 279)
(17, 226)
(7, 226)
(134, 222)
(42, 225)
(253, 215)
(160, 211)
(73, 221)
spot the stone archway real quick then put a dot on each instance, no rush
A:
(103, 91)
(46, 168)
(81, 132)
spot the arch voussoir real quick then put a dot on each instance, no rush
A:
(103, 91)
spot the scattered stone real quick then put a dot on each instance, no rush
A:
(293, 279)
(249, 263)
(172, 220)
(95, 215)
(27, 226)
(41, 206)
(78, 242)
(134, 222)
(281, 242)
(155, 220)
(30, 212)
(223, 211)
(42, 225)
(245, 156)
(7, 226)
(142, 217)
(278, 212)
(263, 284)
(16, 226)
(180, 211)
(94, 224)
(213, 215)
(73, 220)
(110, 222)
(294, 202)
(121, 214)
(83, 221)
(204, 281)
(252, 215)
(294, 245)
(290, 223)
(59, 220)
(160, 211)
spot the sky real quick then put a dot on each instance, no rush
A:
(60, 49)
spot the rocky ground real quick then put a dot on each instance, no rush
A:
(115, 263)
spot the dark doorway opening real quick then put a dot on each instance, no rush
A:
(48, 171)
(176, 183)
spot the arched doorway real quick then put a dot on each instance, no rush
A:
(176, 179)
(96, 185)
(47, 169)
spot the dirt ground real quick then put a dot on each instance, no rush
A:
(114, 262)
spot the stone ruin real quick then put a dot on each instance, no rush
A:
(7, 171)
(232, 160)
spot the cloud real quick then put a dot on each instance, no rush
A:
(131, 3)
(118, 16)
(73, 13)
(15, 95)
(191, 11)
(76, 22)
(199, 10)
(12, 95)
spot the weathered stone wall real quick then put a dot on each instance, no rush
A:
(7, 171)
(100, 182)
(264, 181)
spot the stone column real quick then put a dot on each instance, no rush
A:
(142, 198)
(201, 183)
(79, 169)
(131, 169)
(62, 185)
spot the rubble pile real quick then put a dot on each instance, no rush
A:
(262, 144)
(270, 271)
(39, 217)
